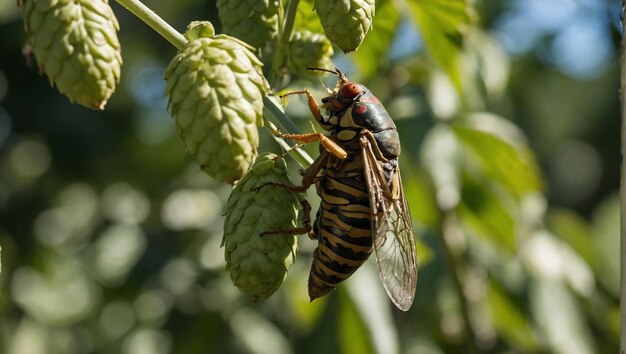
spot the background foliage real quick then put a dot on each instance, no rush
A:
(508, 112)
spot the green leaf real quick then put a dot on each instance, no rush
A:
(441, 23)
(441, 156)
(509, 320)
(511, 166)
(482, 210)
(371, 303)
(354, 335)
(306, 18)
(574, 229)
(606, 229)
(420, 197)
(374, 48)
(559, 318)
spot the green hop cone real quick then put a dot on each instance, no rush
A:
(259, 264)
(346, 22)
(215, 87)
(253, 21)
(75, 44)
(309, 50)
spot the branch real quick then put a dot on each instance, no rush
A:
(153, 20)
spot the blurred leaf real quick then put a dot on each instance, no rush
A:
(606, 230)
(354, 336)
(306, 17)
(258, 335)
(115, 252)
(374, 48)
(374, 309)
(512, 166)
(441, 24)
(496, 125)
(441, 156)
(492, 62)
(423, 253)
(510, 321)
(482, 210)
(307, 313)
(420, 197)
(559, 318)
(60, 292)
(572, 228)
(31, 337)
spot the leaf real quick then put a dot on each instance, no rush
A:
(306, 17)
(559, 318)
(482, 210)
(374, 48)
(511, 166)
(441, 23)
(574, 229)
(606, 229)
(420, 197)
(509, 320)
(440, 154)
(354, 336)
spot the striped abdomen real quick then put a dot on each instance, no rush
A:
(342, 225)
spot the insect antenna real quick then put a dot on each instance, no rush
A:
(325, 70)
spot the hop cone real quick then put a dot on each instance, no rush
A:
(75, 43)
(258, 264)
(309, 50)
(253, 21)
(216, 87)
(346, 22)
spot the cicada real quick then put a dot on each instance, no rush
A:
(363, 206)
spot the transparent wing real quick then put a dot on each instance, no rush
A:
(394, 245)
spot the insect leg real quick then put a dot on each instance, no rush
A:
(328, 144)
(306, 222)
(310, 174)
(313, 106)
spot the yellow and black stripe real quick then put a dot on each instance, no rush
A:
(342, 225)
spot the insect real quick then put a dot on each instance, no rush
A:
(363, 207)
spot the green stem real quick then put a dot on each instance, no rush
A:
(275, 116)
(153, 20)
(272, 109)
(290, 20)
(286, 30)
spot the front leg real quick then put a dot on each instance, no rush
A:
(326, 142)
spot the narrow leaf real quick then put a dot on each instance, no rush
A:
(441, 23)
(513, 167)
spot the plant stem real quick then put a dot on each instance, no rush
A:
(153, 20)
(290, 19)
(448, 227)
(272, 110)
(285, 31)
(274, 115)
(623, 192)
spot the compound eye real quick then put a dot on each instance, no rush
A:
(336, 104)
(350, 90)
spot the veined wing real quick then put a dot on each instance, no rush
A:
(394, 245)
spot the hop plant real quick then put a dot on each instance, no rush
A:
(346, 22)
(253, 21)
(309, 50)
(75, 44)
(215, 87)
(259, 264)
